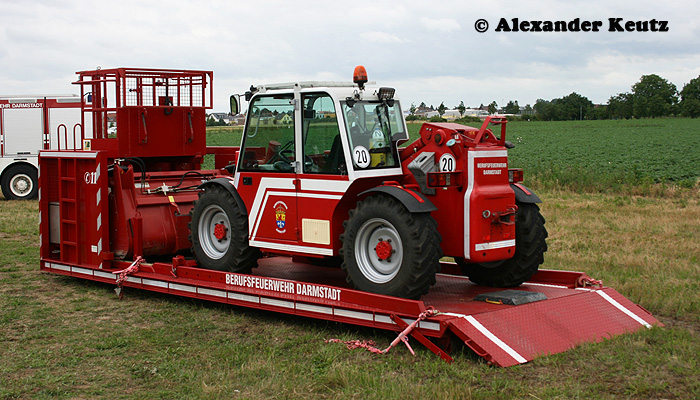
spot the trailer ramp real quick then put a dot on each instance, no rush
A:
(507, 335)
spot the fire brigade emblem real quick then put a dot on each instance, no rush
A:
(280, 216)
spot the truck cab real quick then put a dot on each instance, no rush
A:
(303, 147)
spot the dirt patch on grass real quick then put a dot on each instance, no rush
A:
(689, 324)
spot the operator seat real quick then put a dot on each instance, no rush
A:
(335, 157)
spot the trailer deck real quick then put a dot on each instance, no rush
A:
(504, 335)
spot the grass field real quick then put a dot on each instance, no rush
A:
(72, 339)
(66, 338)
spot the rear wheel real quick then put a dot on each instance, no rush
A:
(390, 251)
(530, 246)
(19, 182)
(219, 233)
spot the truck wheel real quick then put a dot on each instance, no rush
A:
(530, 245)
(390, 251)
(19, 182)
(219, 233)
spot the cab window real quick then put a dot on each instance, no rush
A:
(323, 151)
(269, 138)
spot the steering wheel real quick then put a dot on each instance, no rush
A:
(280, 154)
(355, 129)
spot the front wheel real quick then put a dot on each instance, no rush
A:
(219, 233)
(530, 246)
(390, 251)
(19, 182)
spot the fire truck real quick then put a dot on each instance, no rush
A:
(29, 124)
(322, 211)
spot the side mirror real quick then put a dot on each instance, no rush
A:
(235, 104)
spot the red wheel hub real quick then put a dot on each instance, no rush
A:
(383, 250)
(220, 231)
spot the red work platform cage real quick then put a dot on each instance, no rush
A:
(129, 191)
(158, 114)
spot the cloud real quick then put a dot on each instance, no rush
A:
(429, 53)
(440, 24)
(381, 37)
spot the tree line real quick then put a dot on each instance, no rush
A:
(211, 121)
(651, 97)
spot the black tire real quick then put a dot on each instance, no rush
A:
(20, 182)
(530, 246)
(412, 240)
(230, 251)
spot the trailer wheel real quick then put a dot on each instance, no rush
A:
(19, 182)
(530, 246)
(390, 251)
(219, 233)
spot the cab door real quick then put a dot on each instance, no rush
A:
(323, 178)
(266, 172)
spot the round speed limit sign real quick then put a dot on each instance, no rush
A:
(447, 163)
(361, 156)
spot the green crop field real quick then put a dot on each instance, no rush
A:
(605, 155)
(627, 156)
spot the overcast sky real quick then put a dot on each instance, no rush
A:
(428, 50)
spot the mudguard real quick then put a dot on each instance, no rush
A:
(524, 194)
(414, 202)
(228, 185)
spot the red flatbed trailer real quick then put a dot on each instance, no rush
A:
(504, 335)
(120, 200)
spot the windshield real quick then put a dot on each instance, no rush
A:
(373, 129)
